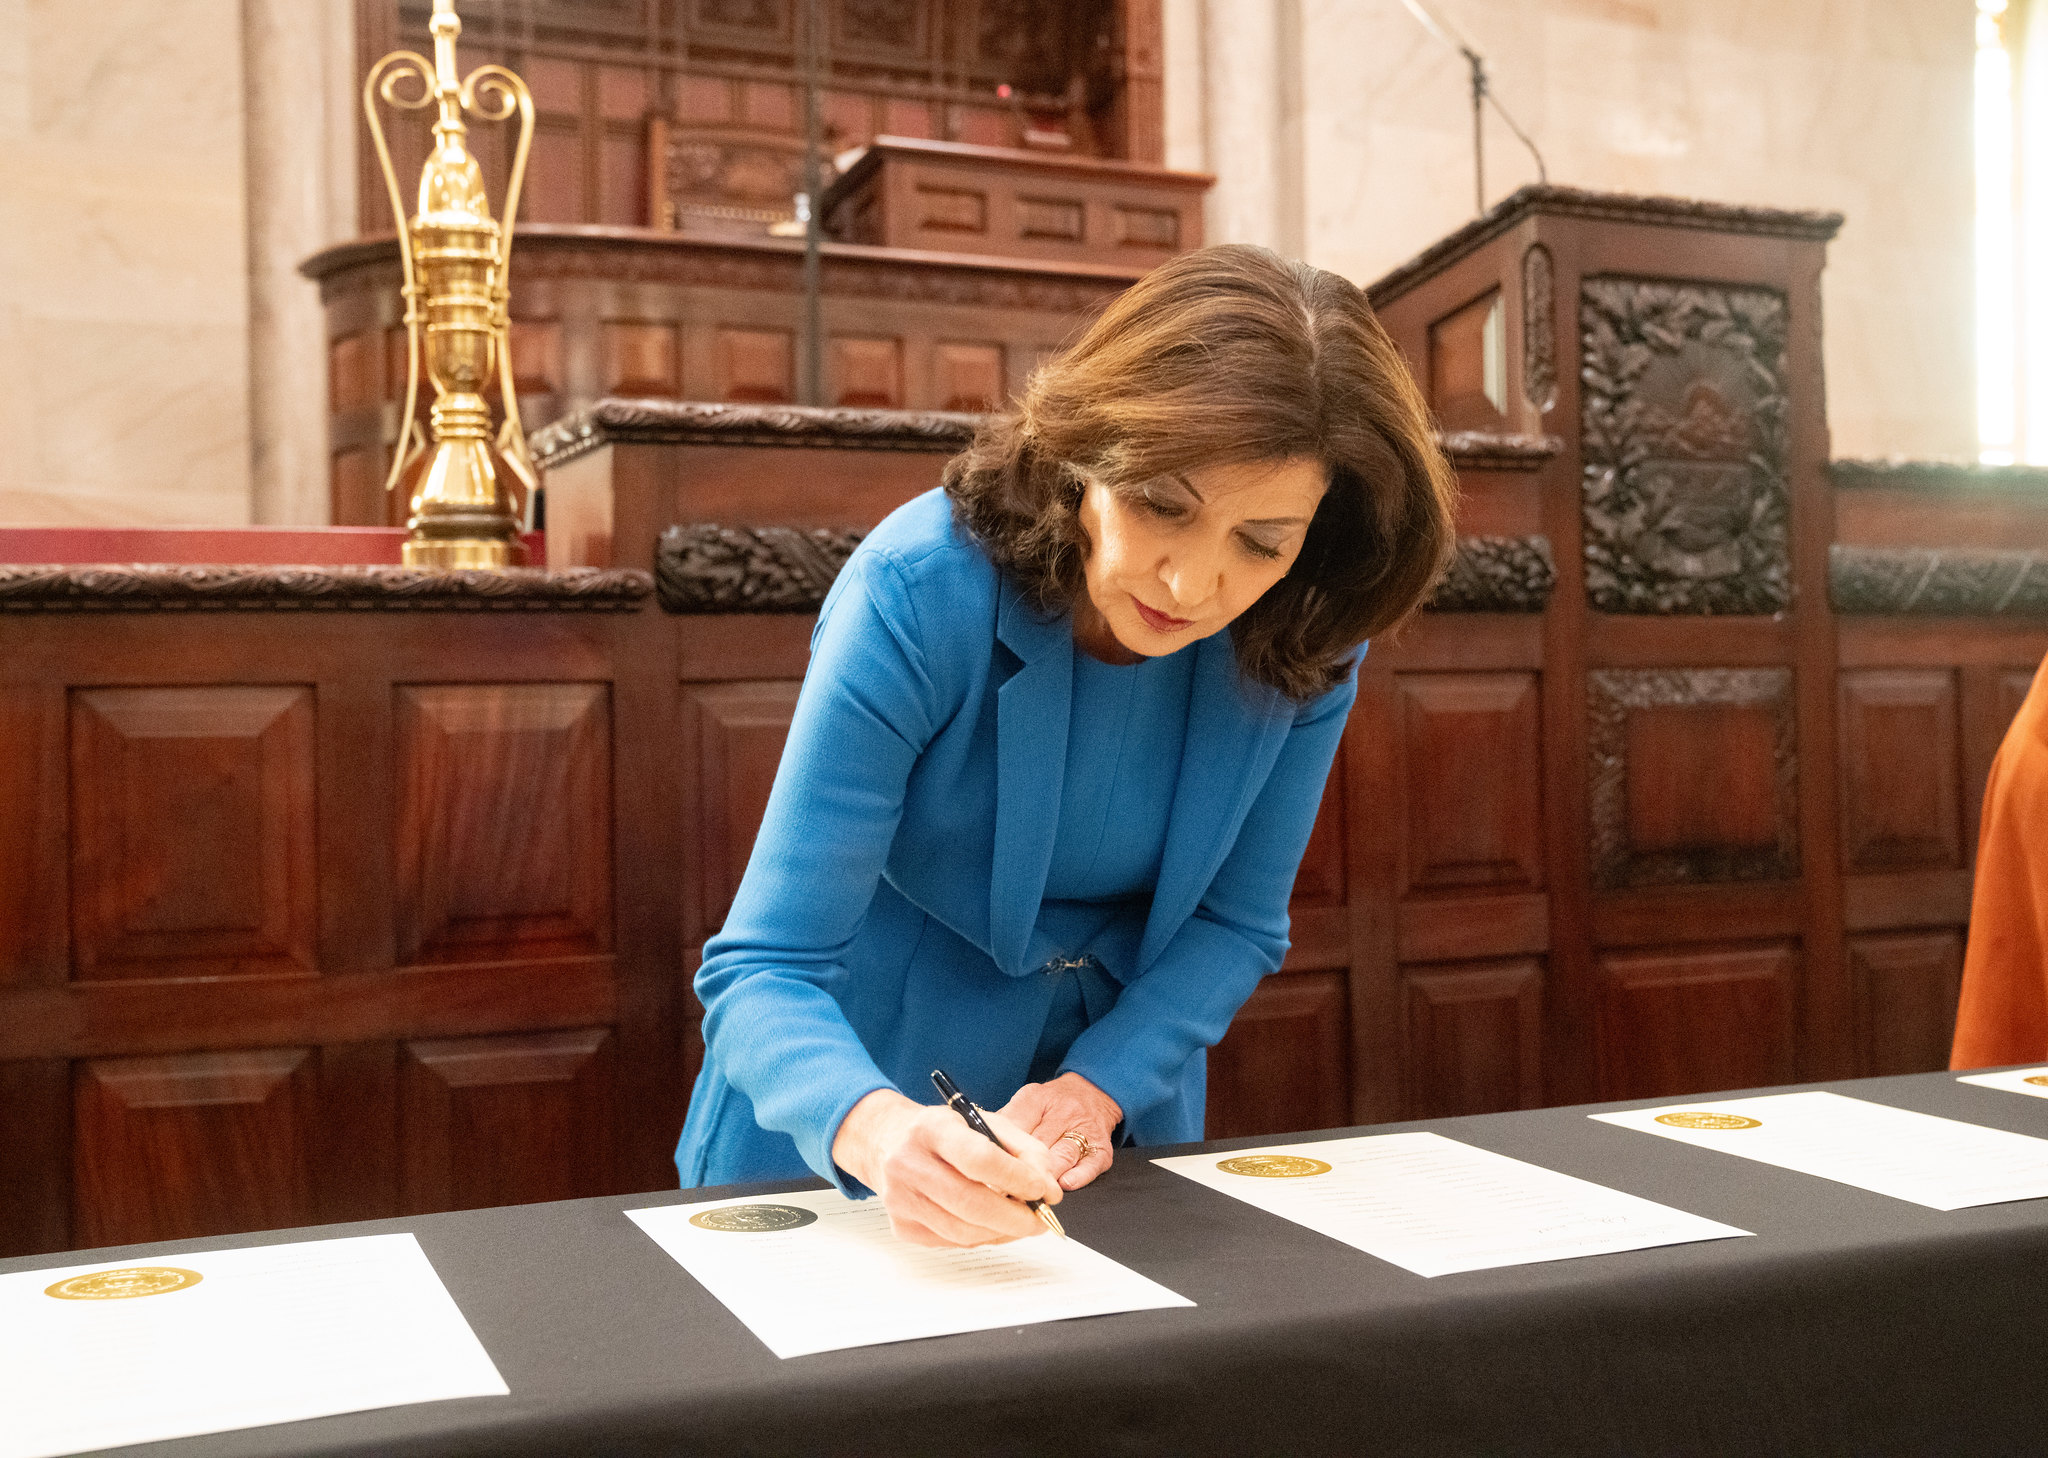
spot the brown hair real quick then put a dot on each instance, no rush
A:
(1228, 354)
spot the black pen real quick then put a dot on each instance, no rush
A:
(959, 1103)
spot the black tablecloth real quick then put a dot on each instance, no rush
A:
(1850, 1324)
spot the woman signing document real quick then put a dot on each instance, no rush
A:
(1063, 736)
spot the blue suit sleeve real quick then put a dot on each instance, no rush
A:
(1187, 997)
(769, 976)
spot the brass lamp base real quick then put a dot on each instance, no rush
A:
(465, 554)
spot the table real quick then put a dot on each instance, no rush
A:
(1850, 1324)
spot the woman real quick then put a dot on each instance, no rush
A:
(1056, 759)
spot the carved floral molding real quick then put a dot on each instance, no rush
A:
(708, 568)
(1953, 582)
(1614, 696)
(156, 588)
(1683, 432)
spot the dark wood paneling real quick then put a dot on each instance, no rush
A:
(1696, 1020)
(755, 365)
(1283, 1064)
(504, 821)
(1462, 928)
(740, 732)
(640, 359)
(866, 373)
(192, 1144)
(35, 1151)
(968, 376)
(1475, 1038)
(1901, 798)
(1474, 812)
(505, 1120)
(1321, 880)
(192, 832)
(1910, 985)
(1657, 819)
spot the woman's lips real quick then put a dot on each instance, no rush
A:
(1160, 622)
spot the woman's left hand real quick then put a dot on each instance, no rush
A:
(1069, 1105)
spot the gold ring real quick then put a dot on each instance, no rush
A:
(1079, 1138)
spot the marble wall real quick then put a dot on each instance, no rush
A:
(1863, 106)
(124, 375)
(160, 361)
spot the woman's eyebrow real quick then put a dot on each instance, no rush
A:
(1188, 486)
(1276, 521)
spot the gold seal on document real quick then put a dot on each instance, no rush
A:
(122, 1284)
(2039, 1080)
(1698, 1119)
(754, 1219)
(1273, 1166)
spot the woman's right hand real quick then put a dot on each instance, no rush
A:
(943, 1183)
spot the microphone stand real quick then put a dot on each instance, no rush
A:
(1482, 93)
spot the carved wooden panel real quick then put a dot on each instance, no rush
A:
(1135, 227)
(1468, 365)
(1473, 815)
(755, 365)
(1475, 1037)
(536, 357)
(1910, 985)
(1059, 218)
(969, 376)
(192, 1144)
(952, 210)
(1694, 776)
(504, 821)
(1320, 880)
(638, 359)
(192, 831)
(741, 728)
(1901, 770)
(1684, 438)
(505, 1120)
(1539, 344)
(1285, 1063)
(1695, 1021)
(867, 372)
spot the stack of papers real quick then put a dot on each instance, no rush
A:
(1943, 1164)
(817, 1272)
(2032, 1081)
(1434, 1206)
(135, 1352)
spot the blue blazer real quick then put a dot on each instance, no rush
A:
(889, 920)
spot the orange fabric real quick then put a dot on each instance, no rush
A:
(2003, 1017)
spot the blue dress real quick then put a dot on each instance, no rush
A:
(966, 808)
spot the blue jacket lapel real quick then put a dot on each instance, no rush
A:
(1032, 709)
(1234, 731)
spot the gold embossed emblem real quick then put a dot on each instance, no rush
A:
(1700, 1119)
(754, 1219)
(127, 1282)
(1273, 1166)
(2039, 1080)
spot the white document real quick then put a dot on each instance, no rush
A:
(1434, 1206)
(138, 1351)
(2033, 1081)
(815, 1272)
(1943, 1164)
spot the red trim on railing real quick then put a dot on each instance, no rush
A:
(266, 546)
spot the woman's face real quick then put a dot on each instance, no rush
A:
(1191, 553)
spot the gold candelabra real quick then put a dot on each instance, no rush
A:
(455, 257)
